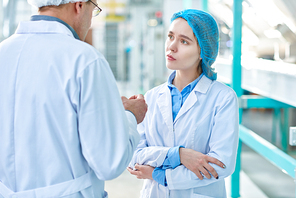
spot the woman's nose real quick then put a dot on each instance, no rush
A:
(173, 46)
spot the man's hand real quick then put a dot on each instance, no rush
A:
(142, 171)
(137, 105)
(199, 163)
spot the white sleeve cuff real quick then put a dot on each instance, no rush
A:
(131, 117)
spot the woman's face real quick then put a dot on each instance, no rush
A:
(181, 47)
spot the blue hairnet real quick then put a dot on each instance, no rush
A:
(206, 31)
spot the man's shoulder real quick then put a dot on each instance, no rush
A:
(86, 48)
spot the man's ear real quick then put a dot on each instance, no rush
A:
(78, 7)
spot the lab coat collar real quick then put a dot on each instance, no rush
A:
(202, 87)
(43, 27)
(51, 18)
(164, 100)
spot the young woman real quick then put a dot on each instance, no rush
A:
(189, 136)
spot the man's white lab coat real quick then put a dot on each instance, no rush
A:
(63, 128)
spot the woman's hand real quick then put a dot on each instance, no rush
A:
(199, 163)
(142, 171)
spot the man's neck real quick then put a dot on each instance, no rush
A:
(57, 14)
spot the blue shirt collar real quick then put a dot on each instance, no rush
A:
(191, 85)
(51, 18)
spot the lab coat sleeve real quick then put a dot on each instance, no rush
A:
(107, 132)
(148, 155)
(223, 146)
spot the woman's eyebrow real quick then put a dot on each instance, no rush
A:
(186, 37)
(182, 35)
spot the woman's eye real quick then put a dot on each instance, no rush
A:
(170, 36)
(184, 42)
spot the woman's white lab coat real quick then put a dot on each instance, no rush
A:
(207, 122)
(63, 128)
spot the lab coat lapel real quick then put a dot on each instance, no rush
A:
(202, 86)
(189, 102)
(164, 102)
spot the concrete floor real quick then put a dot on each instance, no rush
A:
(125, 186)
(268, 178)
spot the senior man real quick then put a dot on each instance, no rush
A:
(63, 127)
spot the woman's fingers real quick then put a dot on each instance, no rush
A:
(129, 169)
(211, 170)
(215, 161)
(133, 172)
(137, 166)
(142, 171)
(199, 163)
(205, 172)
(197, 173)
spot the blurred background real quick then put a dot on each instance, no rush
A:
(131, 35)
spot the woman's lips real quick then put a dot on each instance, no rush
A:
(171, 58)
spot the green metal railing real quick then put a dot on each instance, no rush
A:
(205, 5)
(257, 143)
(273, 154)
(236, 85)
(279, 158)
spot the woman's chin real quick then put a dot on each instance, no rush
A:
(171, 67)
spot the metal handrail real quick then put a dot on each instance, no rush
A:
(273, 154)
